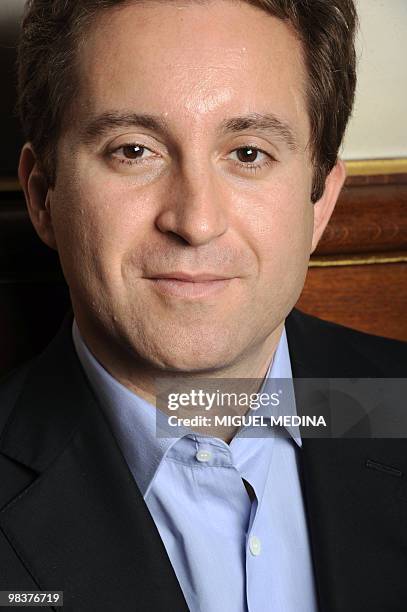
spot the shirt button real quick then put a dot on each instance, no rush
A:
(203, 455)
(255, 545)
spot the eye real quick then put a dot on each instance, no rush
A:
(133, 151)
(248, 154)
(131, 154)
(251, 159)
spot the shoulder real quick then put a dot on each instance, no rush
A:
(353, 353)
(10, 389)
(48, 365)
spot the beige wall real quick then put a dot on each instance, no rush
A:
(378, 128)
(11, 9)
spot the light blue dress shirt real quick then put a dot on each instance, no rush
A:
(229, 553)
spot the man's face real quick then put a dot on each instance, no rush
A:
(185, 155)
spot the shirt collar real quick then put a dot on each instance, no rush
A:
(279, 380)
(133, 419)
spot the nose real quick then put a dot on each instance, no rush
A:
(194, 207)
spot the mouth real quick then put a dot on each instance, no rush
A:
(186, 285)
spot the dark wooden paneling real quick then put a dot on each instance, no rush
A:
(360, 273)
(371, 298)
(30, 315)
(371, 217)
(23, 257)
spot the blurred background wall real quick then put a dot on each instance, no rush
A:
(10, 11)
(378, 128)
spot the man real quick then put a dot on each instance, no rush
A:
(182, 160)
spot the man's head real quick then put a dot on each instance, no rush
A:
(172, 138)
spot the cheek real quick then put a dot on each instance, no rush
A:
(278, 223)
(97, 221)
(279, 229)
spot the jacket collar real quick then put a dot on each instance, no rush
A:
(354, 513)
(83, 509)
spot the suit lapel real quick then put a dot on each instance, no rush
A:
(81, 524)
(356, 515)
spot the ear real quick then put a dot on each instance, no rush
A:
(324, 208)
(37, 195)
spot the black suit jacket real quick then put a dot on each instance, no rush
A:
(73, 519)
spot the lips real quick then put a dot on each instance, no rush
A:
(189, 286)
(189, 277)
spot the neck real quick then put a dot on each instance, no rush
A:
(139, 376)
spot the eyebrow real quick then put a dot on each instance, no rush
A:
(101, 125)
(262, 123)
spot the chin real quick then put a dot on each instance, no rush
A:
(188, 355)
(204, 364)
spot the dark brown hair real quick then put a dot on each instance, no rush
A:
(53, 29)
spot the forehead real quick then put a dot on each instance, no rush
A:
(197, 62)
